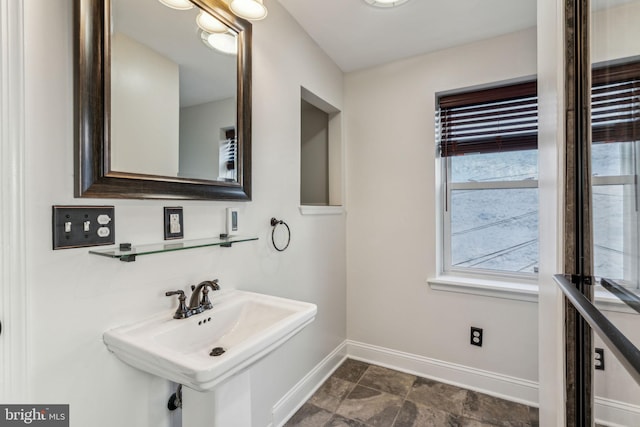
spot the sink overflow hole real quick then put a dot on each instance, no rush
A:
(217, 351)
(202, 322)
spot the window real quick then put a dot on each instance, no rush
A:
(615, 120)
(488, 145)
(228, 156)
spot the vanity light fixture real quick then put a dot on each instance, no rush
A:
(177, 4)
(252, 10)
(386, 3)
(222, 42)
(208, 23)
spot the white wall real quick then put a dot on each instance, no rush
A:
(200, 136)
(145, 85)
(76, 296)
(615, 32)
(392, 234)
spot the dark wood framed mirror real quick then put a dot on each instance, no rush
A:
(96, 176)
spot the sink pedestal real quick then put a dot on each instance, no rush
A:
(227, 405)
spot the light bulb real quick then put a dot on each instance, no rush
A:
(177, 4)
(386, 3)
(222, 42)
(210, 24)
(249, 9)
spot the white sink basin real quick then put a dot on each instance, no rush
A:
(246, 325)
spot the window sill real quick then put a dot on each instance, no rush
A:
(606, 301)
(486, 287)
(518, 291)
(321, 210)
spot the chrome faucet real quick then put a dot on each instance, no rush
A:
(197, 303)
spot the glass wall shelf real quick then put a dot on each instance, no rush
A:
(129, 255)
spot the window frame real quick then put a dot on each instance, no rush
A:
(496, 284)
(606, 131)
(622, 128)
(486, 95)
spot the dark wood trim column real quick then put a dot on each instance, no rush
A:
(578, 218)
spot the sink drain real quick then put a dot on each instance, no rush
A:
(217, 351)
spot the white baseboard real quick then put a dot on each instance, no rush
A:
(502, 386)
(613, 413)
(304, 389)
(608, 412)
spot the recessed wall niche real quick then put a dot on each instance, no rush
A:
(320, 152)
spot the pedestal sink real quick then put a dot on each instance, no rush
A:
(245, 325)
(206, 351)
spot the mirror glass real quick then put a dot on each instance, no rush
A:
(163, 100)
(615, 114)
(180, 88)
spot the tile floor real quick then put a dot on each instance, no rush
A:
(362, 395)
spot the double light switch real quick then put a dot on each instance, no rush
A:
(80, 226)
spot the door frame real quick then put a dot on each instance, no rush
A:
(14, 359)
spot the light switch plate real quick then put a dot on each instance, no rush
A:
(232, 225)
(173, 223)
(82, 226)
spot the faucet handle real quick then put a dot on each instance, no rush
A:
(208, 285)
(178, 292)
(182, 310)
(205, 302)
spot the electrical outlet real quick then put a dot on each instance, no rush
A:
(81, 226)
(598, 359)
(173, 223)
(476, 336)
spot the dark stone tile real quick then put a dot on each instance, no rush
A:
(339, 421)
(369, 406)
(309, 416)
(495, 411)
(387, 380)
(534, 416)
(416, 415)
(468, 422)
(351, 370)
(437, 395)
(331, 393)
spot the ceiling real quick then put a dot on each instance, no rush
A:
(356, 35)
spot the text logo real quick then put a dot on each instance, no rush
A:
(34, 415)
